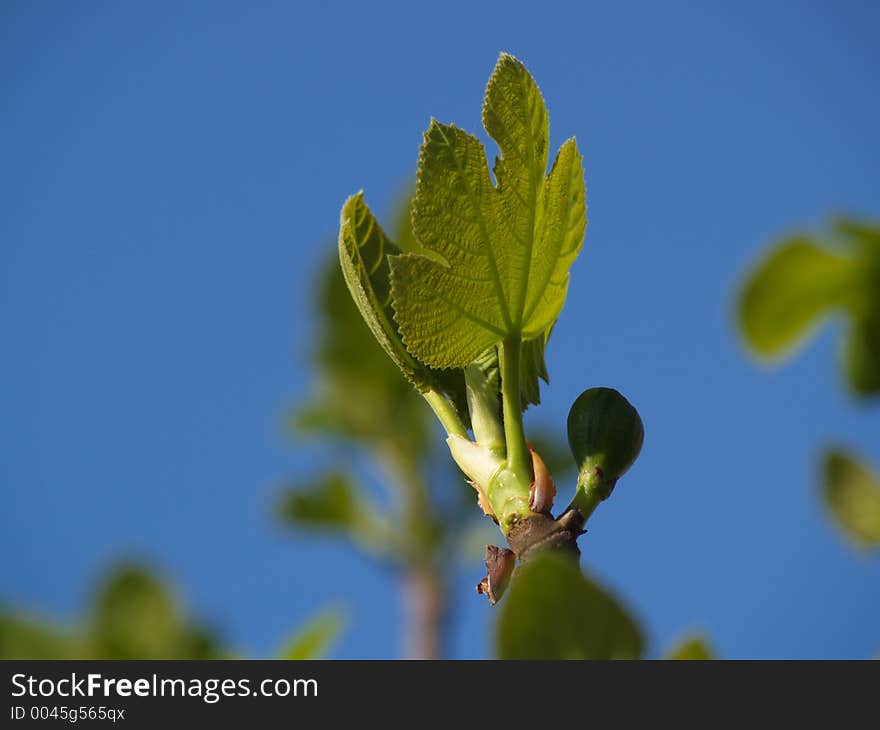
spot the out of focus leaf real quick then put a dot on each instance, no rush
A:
(861, 352)
(133, 617)
(359, 393)
(852, 494)
(314, 640)
(23, 637)
(785, 298)
(329, 503)
(335, 503)
(692, 648)
(801, 282)
(136, 617)
(553, 611)
(861, 233)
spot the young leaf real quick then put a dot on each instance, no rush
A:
(364, 252)
(506, 250)
(788, 294)
(852, 495)
(553, 611)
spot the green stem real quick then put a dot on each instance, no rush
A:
(446, 412)
(482, 401)
(585, 502)
(519, 461)
(586, 497)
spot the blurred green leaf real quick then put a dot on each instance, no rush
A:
(553, 611)
(136, 617)
(692, 648)
(331, 503)
(359, 394)
(133, 616)
(785, 298)
(24, 637)
(314, 640)
(861, 352)
(862, 233)
(801, 282)
(852, 494)
(335, 503)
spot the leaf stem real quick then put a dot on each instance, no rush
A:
(445, 412)
(518, 458)
(482, 401)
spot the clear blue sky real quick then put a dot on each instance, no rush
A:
(170, 174)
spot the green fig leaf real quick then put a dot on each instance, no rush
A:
(553, 611)
(364, 252)
(505, 250)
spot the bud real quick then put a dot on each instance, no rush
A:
(605, 434)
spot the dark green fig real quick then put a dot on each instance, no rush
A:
(605, 434)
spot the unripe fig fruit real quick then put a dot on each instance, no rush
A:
(605, 434)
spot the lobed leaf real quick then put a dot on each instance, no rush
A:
(505, 250)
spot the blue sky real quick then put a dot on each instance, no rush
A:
(171, 174)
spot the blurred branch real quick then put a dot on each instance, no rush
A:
(359, 398)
